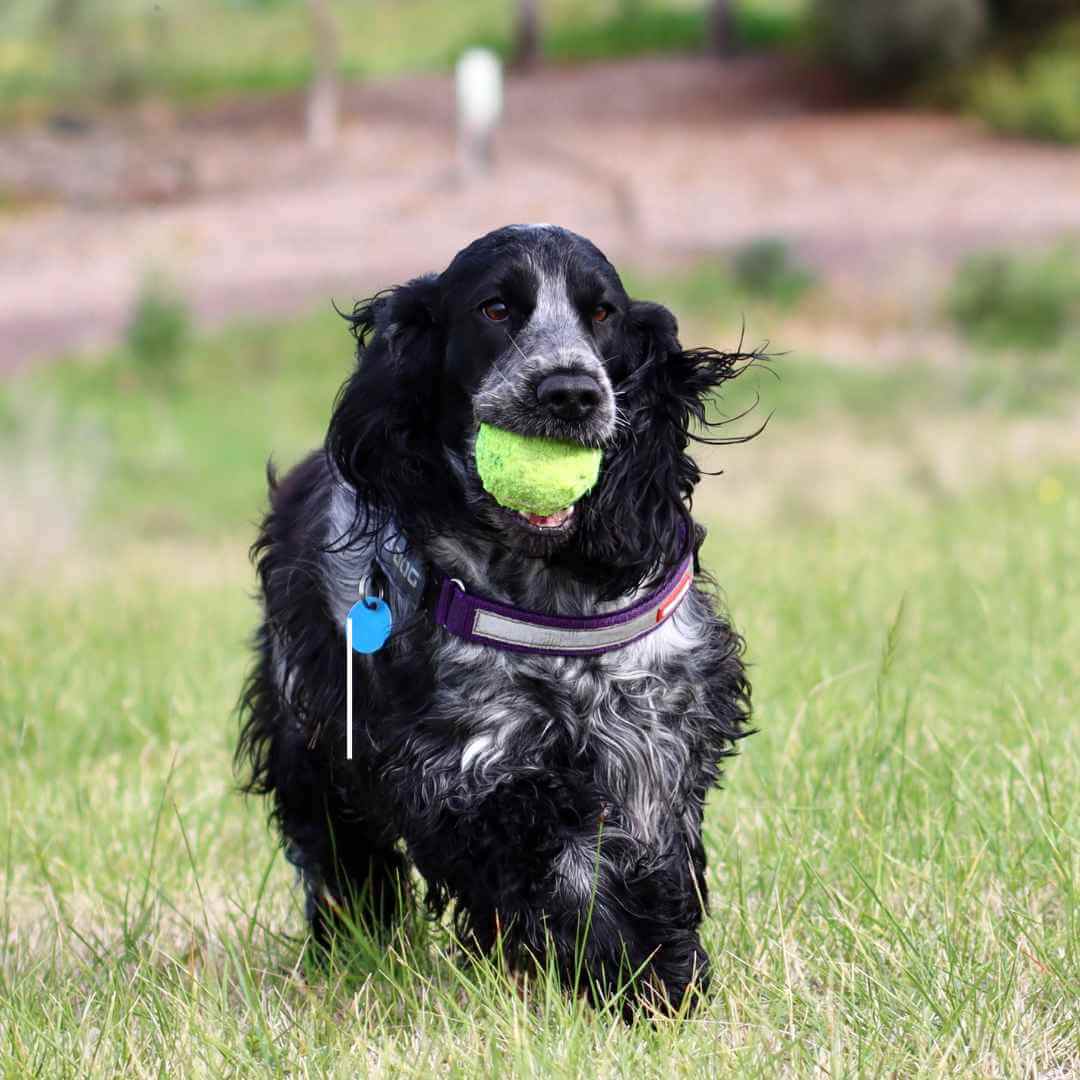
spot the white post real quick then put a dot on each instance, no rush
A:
(479, 105)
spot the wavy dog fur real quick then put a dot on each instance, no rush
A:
(555, 802)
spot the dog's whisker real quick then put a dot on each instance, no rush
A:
(516, 346)
(497, 368)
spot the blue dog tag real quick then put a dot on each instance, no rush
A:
(371, 620)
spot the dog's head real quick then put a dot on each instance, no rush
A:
(529, 329)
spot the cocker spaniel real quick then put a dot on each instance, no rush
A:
(539, 732)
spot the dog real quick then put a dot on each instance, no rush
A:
(543, 756)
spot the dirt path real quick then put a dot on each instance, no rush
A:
(654, 159)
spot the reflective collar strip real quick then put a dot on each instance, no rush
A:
(504, 627)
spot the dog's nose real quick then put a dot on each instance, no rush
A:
(569, 395)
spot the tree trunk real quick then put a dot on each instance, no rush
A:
(720, 28)
(324, 93)
(527, 45)
(85, 46)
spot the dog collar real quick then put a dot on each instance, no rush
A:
(503, 626)
(476, 619)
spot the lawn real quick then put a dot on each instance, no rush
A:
(893, 860)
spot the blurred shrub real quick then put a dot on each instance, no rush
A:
(1022, 14)
(1040, 98)
(766, 268)
(159, 330)
(769, 25)
(637, 29)
(1032, 302)
(885, 44)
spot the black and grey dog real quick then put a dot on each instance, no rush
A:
(543, 756)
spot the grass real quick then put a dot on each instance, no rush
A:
(893, 862)
(120, 51)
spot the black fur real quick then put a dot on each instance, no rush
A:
(557, 803)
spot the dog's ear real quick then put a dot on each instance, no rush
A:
(383, 435)
(642, 505)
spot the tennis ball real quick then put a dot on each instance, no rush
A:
(533, 475)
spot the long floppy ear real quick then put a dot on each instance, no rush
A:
(383, 435)
(642, 505)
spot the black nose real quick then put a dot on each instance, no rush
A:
(569, 395)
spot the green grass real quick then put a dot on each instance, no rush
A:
(209, 48)
(893, 862)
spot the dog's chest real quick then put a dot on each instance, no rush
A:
(626, 719)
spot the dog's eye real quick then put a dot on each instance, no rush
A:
(600, 312)
(495, 310)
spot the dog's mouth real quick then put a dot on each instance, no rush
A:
(528, 533)
(551, 526)
(548, 522)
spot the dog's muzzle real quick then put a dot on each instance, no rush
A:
(555, 397)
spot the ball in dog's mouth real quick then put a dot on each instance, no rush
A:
(538, 479)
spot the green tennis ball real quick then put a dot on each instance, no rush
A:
(533, 475)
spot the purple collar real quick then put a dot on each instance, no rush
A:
(514, 629)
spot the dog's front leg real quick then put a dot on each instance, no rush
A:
(624, 918)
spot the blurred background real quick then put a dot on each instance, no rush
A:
(885, 191)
